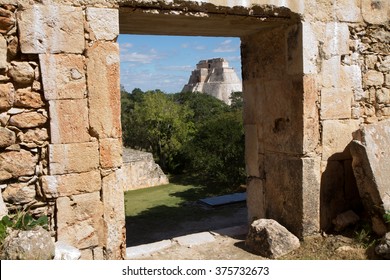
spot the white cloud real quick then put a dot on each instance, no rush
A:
(139, 57)
(184, 46)
(200, 48)
(178, 68)
(125, 46)
(225, 46)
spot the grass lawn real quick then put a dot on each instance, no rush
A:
(155, 213)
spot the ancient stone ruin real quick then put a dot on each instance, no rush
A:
(214, 77)
(314, 72)
(140, 171)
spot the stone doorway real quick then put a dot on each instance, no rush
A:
(279, 102)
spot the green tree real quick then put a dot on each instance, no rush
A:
(217, 149)
(159, 125)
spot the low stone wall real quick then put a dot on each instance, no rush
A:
(140, 170)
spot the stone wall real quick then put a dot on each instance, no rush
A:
(314, 71)
(61, 148)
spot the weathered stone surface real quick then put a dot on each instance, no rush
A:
(140, 170)
(7, 95)
(310, 49)
(336, 39)
(336, 137)
(15, 164)
(64, 251)
(343, 220)
(3, 207)
(373, 78)
(19, 193)
(36, 136)
(73, 158)
(375, 12)
(28, 120)
(251, 150)
(7, 20)
(79, 220)
(7, 137)
(383, 95)
(383, 249)
(70, 184)
(21, 72)
(270, 239)
(255, 199)
(69, 121)
(26, 98)
(104, 89)
(311, 126)
(63, 76)
(348, 10)
(110, 152)
(114, 216)
(3, 53)
(13, 47)
(336, 103)
(371, 166)
(51, 29)
(104, 23)
(35, 244)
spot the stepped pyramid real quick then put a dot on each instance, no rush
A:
(214, 77)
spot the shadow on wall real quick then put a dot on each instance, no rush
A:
(339, 191)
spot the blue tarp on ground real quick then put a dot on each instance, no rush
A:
(224, 199)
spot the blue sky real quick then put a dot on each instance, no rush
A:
(165, 62)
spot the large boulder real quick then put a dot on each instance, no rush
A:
(35, 244)
(371, 165)
(269, 239)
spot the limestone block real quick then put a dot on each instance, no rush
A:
(104, 23)
(3, 207)
(292, 187)
(51, 29)
(311, 124)
(336, 39)
(3, 53)
(19, 193)
(383, 96)
(371, 166)
(70, 184)
(104, 89)
(251, 150)
(73, 158)
(13, 47)
(37, 136)
(283, 116)
(7, 95)
(69, 121)
(7, 20)
(28, 120)
(114, 216)
(375, 11)
(255, 199)
(373, 78)
(63, 76)
(336, 137)
(110, 153)
(25, 98)
(310, 49)
(270, 239)
(21, 72)
(336, 103)
(348, 10)
(387, 80)
(7, 137)
(79, 220)
(14, 164)
(384, 65)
